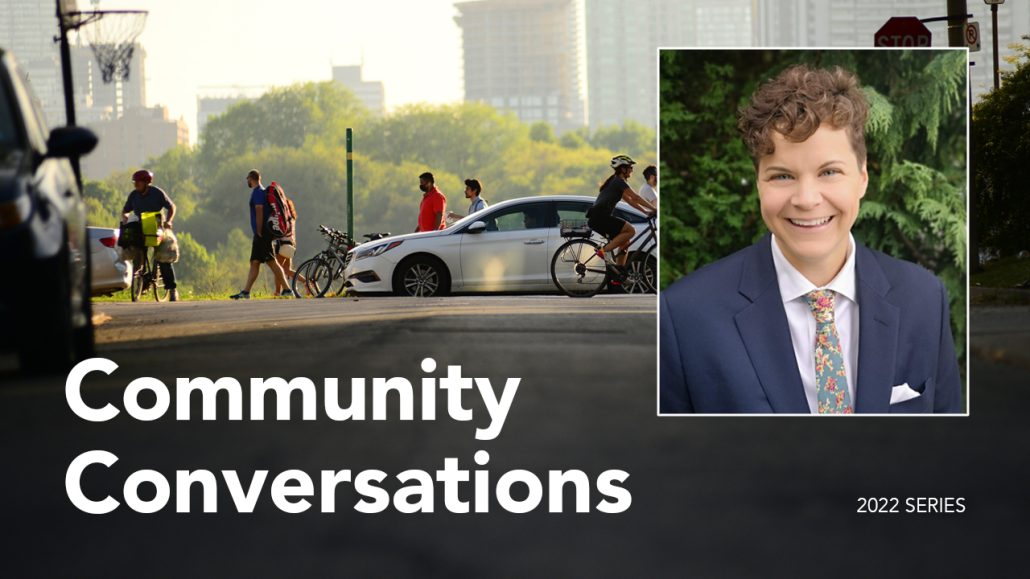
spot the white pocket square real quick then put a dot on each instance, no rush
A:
(902, 393)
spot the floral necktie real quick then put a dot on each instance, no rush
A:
(831, 380)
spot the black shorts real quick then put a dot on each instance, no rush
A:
(607, 225)
(261, 249)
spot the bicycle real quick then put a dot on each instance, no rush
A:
(320, 272)
(146, 275)
(577, 270)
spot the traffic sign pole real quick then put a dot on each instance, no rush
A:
(957, 22)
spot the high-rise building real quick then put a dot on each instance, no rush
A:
(622, 43)
(212, 106)
(524, 56)
(127, 142)
(1013, 24)
(370, 93)
(97, 100)
(27, 29)
(843, 23)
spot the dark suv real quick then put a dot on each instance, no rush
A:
(45, 311)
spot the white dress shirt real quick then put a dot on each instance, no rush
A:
(648, 193)
(793, 288)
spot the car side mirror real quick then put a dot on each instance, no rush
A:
(477, 227)
(70, 142)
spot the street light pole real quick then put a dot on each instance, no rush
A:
(957, 22)
(994, 33)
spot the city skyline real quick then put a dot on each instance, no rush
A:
(415, 49)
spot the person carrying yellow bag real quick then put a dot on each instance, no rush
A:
(146, 198)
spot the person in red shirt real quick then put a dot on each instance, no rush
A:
(431, 211)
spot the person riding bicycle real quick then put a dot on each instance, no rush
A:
(601, 216)
(146, 198)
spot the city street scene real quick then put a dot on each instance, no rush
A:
(403, 203)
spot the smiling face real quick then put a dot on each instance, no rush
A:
(810, 194)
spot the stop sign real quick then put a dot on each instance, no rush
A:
(902, 31)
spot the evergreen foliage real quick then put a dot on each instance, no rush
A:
(1001, 145)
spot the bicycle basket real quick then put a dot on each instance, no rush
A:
(575, 228)
(131, 235)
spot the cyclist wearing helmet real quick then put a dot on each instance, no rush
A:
(146, 198)
(601, 216)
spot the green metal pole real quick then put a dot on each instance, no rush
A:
(350, 183)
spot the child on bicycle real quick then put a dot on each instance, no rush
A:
(601, 216)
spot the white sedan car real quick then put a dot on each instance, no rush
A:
(111, 271)
(505, 247)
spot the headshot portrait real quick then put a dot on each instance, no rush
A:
(813, 245)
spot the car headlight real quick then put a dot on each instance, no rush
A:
(376, 251)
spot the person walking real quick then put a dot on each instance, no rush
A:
(431, 210)
(146, 198)
(261, 245)
(285, 248)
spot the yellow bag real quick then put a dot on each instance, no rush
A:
(152, 233)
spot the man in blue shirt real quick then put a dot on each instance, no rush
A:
(261, 246)
(473, 189)
(146, 198)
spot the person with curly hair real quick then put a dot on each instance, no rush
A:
(808, 320)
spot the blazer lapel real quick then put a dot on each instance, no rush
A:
(766, 336)
(878, 325)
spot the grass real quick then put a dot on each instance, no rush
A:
(1003, 273)
(996, 284)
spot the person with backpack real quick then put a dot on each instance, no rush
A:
(263, 214)
(286, 247)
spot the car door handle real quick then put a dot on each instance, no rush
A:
(533, 242)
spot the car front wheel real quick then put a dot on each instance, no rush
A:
(422, 277)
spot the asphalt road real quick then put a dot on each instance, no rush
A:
(711, 496)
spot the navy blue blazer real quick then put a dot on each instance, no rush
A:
(726, 347)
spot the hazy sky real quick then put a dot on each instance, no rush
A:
(412, 46)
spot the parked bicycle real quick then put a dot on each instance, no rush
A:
(316, 276)
(577, 270)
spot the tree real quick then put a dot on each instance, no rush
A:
(463, 139)
(542, 132)
(1001, 147)
(632, 138)
(282, 117)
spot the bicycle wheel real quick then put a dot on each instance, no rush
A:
(338, 277)
(576, 270)
(317, 276)
(139, 274)
(157, 283)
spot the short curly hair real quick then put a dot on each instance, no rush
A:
(797, 102)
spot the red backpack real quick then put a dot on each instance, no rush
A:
(280, 218)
